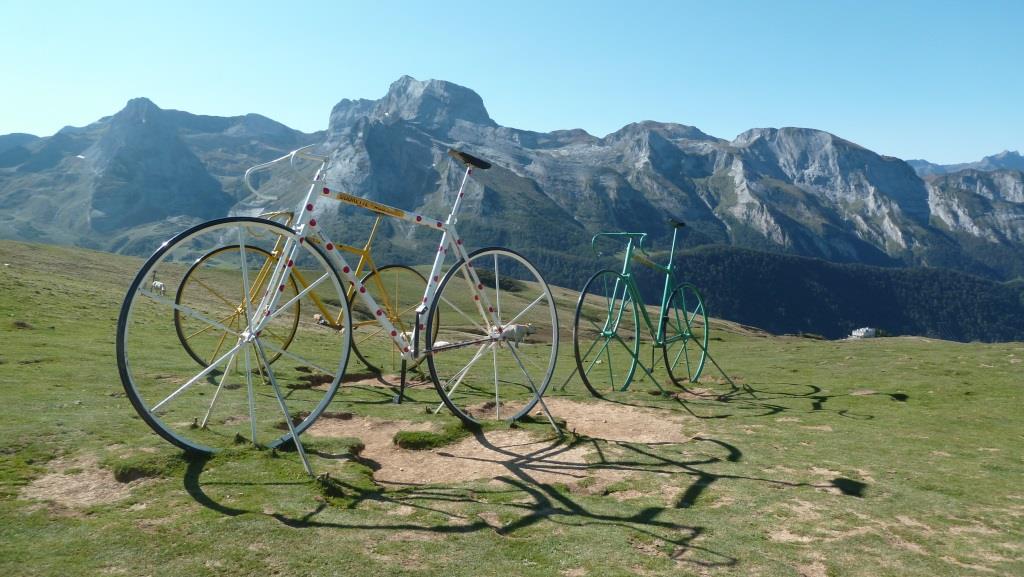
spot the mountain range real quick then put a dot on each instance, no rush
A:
(1005, 160)
(128, 181)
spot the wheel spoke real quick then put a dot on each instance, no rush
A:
(461, 374)
(604, 348)
(284, 408)
(251, 393)
(220, 387)
(529, 379)
(277, 311)
(228, 319)
(513, 320)
(497, 294)
(464, 315)
(212, 291)
(592, 345)
(220, 344)
(297, 358)
(494, 359)
(195, 379)
(187, 311)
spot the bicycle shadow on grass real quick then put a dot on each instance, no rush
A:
(544, 481)
(761, 400)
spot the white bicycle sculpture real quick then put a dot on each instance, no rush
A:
(243, 287)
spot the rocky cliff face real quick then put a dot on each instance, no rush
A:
(793, 190)
(985, 205)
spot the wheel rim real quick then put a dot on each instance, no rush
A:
(481, 373)
(208, 409)
(606, 340)
(398, 290)
(685, 329)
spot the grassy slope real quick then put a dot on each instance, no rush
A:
(880, 457)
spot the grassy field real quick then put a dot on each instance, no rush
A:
(895, 456)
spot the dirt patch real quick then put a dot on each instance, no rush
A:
(506, 453)
(914, 524)
(370, 379)
(976, 529)
(863, 392)
(824, 472)
(815, 569)
(627, 494)
(902, 543)
(785, 536)
(624, 423)
(953, 561)
(414, 536)
(803, 510)
(78, 483)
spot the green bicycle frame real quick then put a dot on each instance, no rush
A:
(680, 329)
(634, 243)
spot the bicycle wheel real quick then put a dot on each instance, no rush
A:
(495, 344)
(205, 343)
(605, 335)
(398, 290)
(684, 327)
(239, 394)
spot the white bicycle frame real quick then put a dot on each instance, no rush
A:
(307, 229)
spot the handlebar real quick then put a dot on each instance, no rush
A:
(638, 236)
(290, 157)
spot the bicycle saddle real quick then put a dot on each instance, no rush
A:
(676, 223)
(469, 159)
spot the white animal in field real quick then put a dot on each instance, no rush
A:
(516, 333)
(319, 319)
(157, 286)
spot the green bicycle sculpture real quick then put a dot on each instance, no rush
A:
(606, 328)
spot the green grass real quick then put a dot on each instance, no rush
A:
(896, 456)
(420, 440)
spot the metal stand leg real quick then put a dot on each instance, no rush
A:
(397, 399)
(284, 409)
(650, 373)
(746, 388)
(551, 419)
(540, 397)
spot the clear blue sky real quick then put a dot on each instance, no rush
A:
(930, 79)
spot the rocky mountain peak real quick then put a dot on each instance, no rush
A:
(1007, 159)
(790, 137)
(347, 112)
(257, 125)
(435, 104)
(667, 130)
(137, 110)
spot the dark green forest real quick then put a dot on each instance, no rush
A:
(790, 294)
(783, 294)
